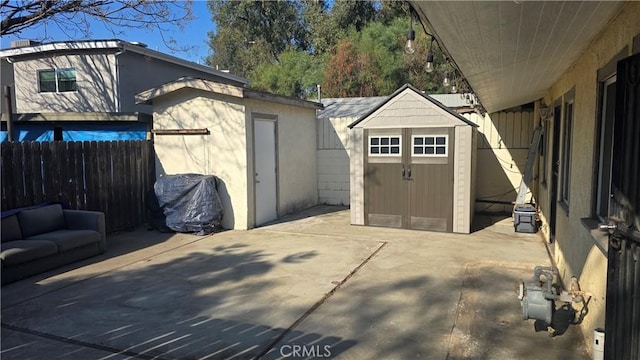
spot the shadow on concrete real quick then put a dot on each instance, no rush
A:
(489, 324)
(313, 211)
(118, 244)
(484, 220)
(214, 302)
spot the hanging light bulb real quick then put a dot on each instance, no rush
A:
(410, 47)
(446, 82)
(429, 67)
(468, 99)
(454, 88)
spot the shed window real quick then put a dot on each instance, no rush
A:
(57, 80)
(429, 145)
(385, 145)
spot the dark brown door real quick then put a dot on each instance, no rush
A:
(622, 330)
(385, 185)
(409, 178)
(430, 177)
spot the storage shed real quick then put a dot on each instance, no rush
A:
(412, 165)
(261, 146)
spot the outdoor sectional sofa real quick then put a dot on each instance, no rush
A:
(38, 239)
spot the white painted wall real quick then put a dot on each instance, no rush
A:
(333, 160)
(333, 177)
(222, 153)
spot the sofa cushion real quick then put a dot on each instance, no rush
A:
(22, 251)
(69, 239)
(10, 229)
(41, 220)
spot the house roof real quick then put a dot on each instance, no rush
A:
(420, 93)
(147, 96)
(512, 52)
(117, 46)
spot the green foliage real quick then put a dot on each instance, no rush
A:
(253, 32)
(296, 74)
(351, 48)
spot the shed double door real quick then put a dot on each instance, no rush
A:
(409, 178)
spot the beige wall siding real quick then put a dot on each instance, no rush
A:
(503, 143)
(95, 77)
(333, 133)
(576, 252)
(408, 110)
(462, 172)
(357, 176)
(222, 153)
(296, 146)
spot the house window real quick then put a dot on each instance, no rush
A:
(605, 148)
(429, 145)
(57, 80)
(385, 145)
(566, 152)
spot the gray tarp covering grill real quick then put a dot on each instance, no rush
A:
(190, 202)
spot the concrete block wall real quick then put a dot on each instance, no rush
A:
(333, 176)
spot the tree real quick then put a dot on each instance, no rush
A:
(297, 74)
(344, 76)
(250, 33)
(72, 16)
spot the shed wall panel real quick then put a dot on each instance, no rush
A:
(357, 176)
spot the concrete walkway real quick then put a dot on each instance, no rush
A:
(309, 287)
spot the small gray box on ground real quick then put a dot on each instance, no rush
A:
(524, 218)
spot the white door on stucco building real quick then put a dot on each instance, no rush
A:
(265, 166)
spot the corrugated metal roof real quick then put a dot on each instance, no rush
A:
(359, 106)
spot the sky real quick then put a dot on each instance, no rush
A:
(192, 36)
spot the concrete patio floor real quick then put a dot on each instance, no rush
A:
(310, 286)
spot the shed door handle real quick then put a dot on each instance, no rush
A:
(409, 173)
(403, 171)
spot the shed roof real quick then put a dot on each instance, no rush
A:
(420, 93)
(356, 107)
(147, 96)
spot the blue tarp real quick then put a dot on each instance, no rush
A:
(74, 131)
(104, 131)
(28, 132)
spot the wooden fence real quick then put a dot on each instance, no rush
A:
(109, 176)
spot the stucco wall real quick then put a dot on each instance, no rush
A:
(296, 159)
(95, 78)
(576, 252)
(221, 153)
